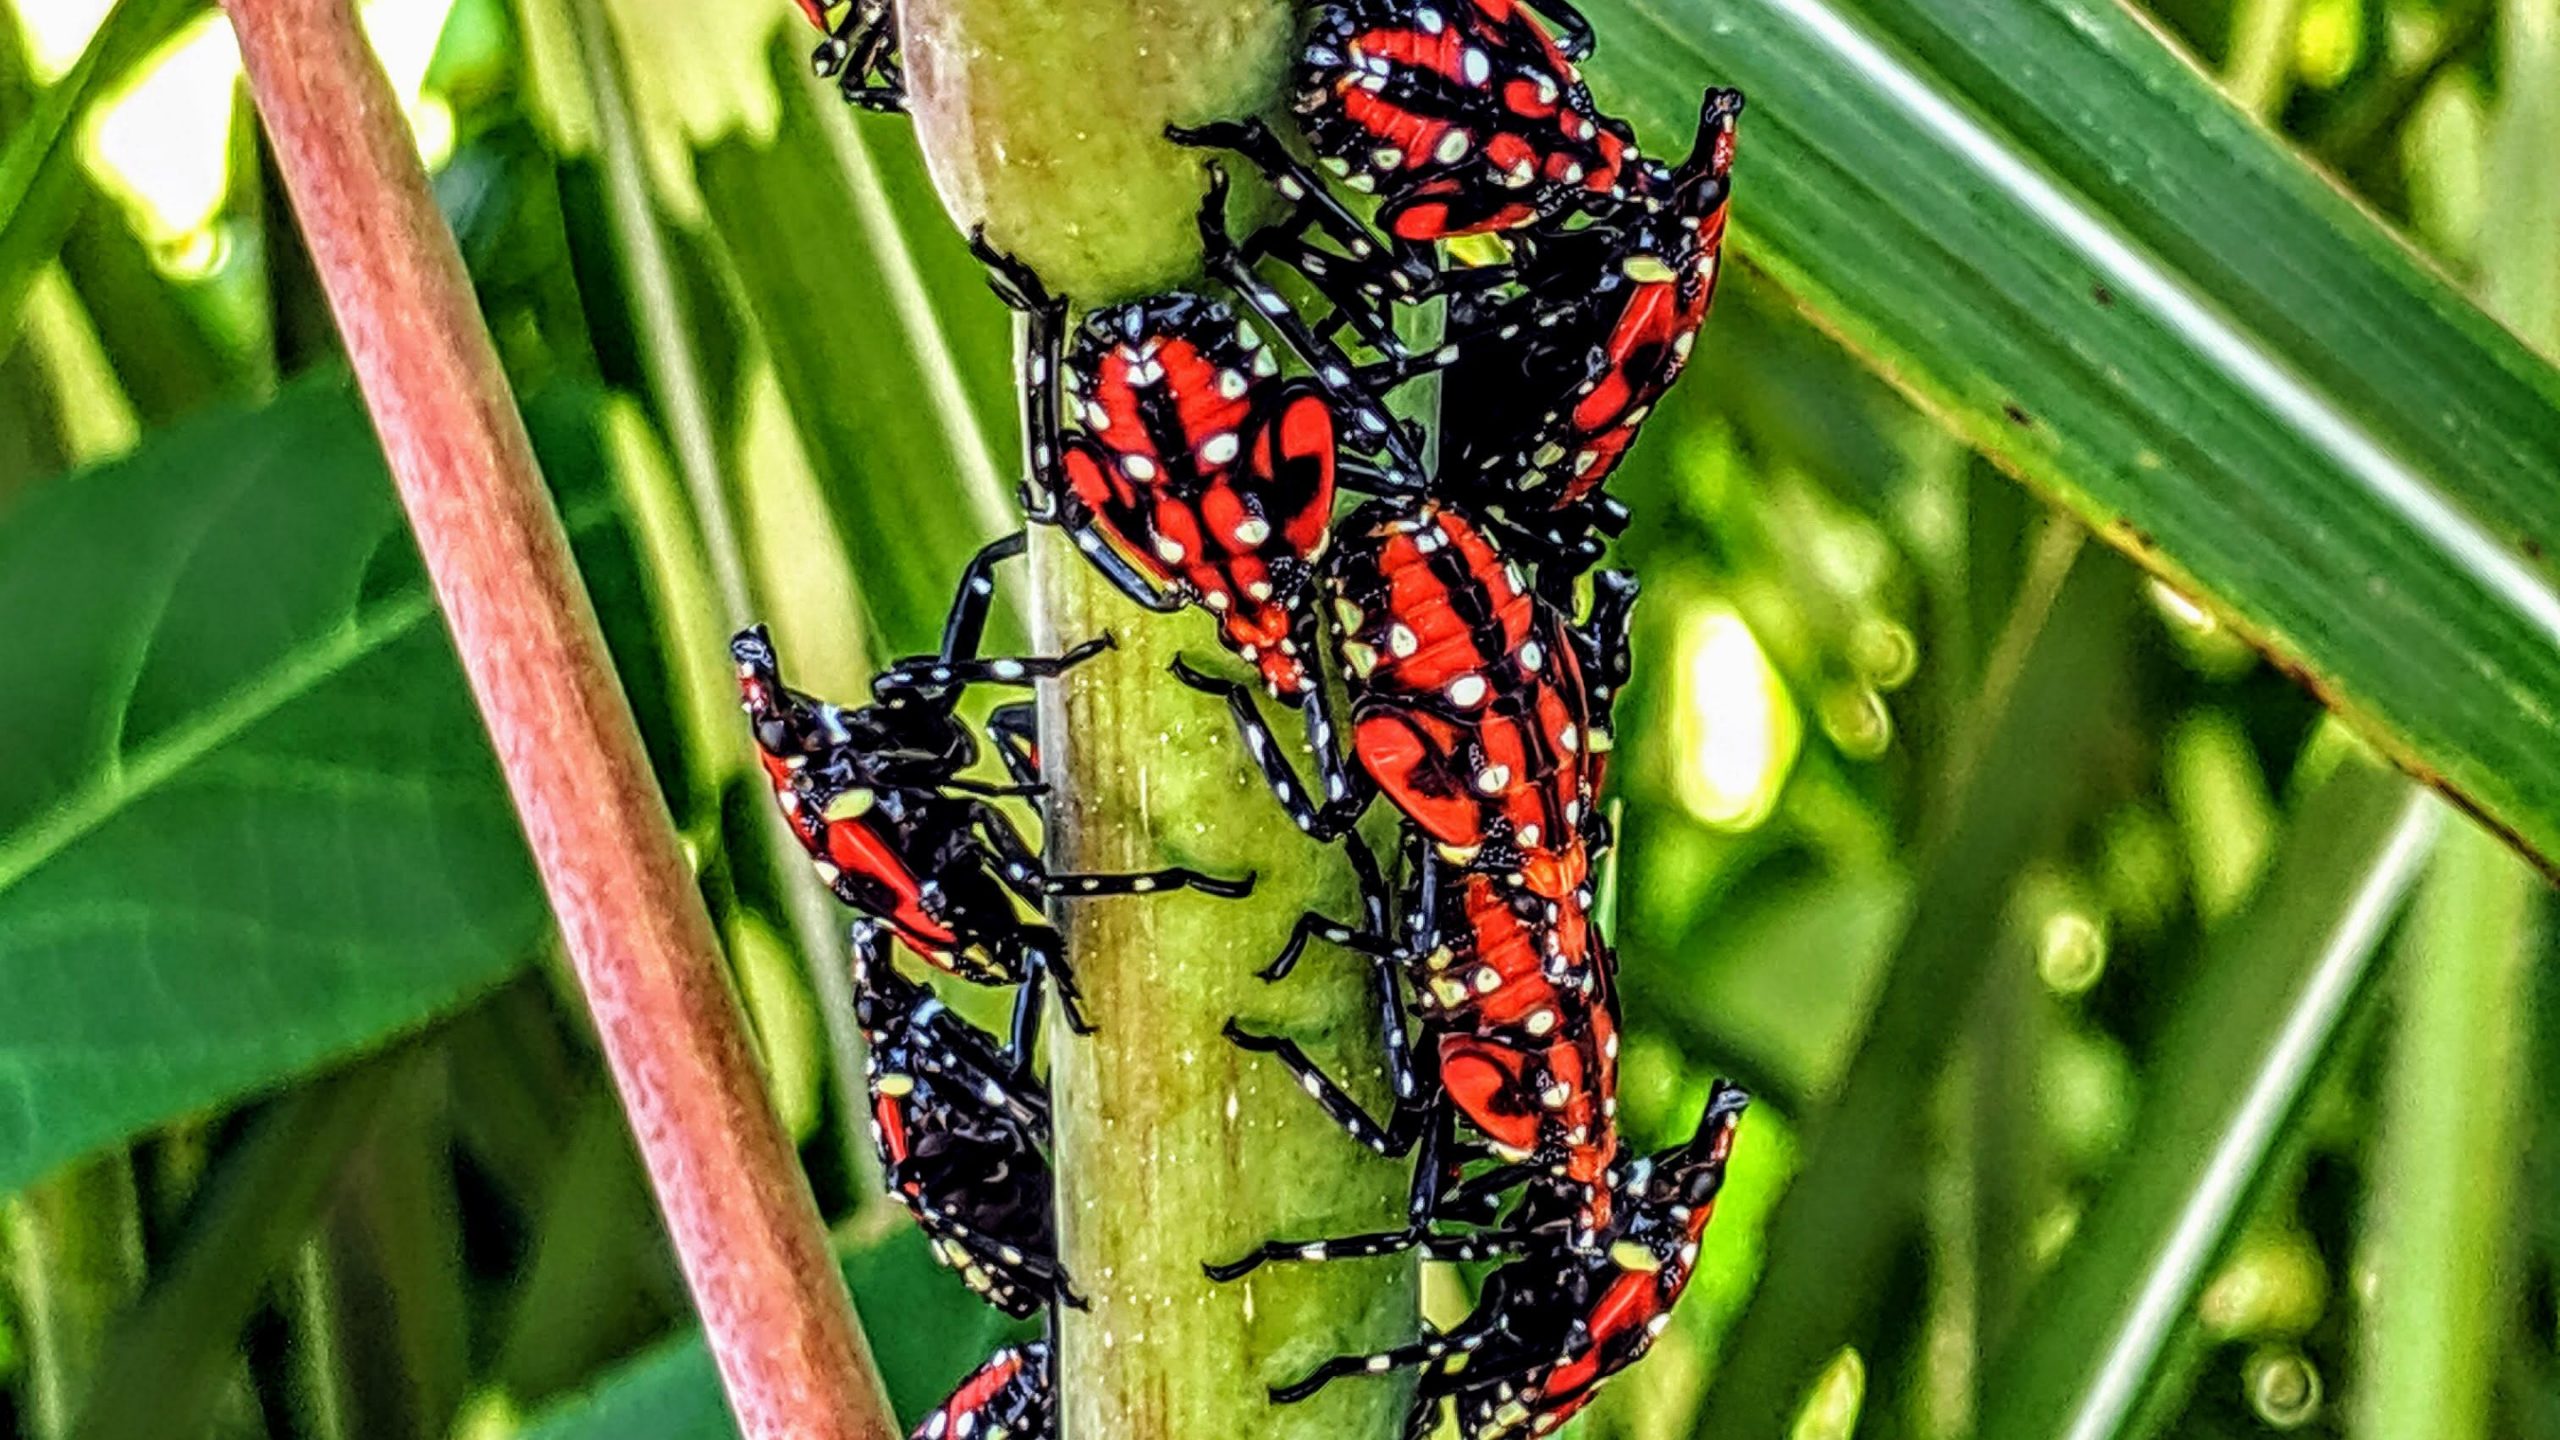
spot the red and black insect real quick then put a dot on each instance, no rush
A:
(1560, 373)
(876, 796)
(860, 51)
(1465, 117)
(961, 1131)
(1199, 474)
(1517, 1037)
(1014, 1396)
(1551, 1326)
(1470, 707)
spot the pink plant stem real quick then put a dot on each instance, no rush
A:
(737, 1208)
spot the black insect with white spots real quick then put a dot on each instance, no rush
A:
(876, 796)
(961, 1130)
(1551, 1326)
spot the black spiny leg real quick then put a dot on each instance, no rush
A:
(1606, 649)
(1024, 874)
(1488, 1246)
(1395, 1137)
(1013, 731)
(1334, 374)
(1430, 1351)
(1406, 268)
(966, 624)
(933, 676)
(1039, 955)
(1325, 821)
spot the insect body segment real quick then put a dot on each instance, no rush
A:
(860, 51)
(1013, 1396)
(875, 796)
(1602, 325)
(1552, 1325)
(960, 1131)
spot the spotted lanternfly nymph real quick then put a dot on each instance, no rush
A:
(1464, 117)
(1013, 1396)
(1560, 374)
(1198, 474)
(876, 796)
(1470, 706)
(1551, 1326)
(860, 51)
(1518, 1037)
(960, 1129)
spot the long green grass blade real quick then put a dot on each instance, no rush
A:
(2271, 999)
(2444, 1174)
(2054, 233)
(1849, 1210)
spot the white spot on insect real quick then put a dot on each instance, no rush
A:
(1261, 590)
(1541, 1022)
(1402, 641)
(1466, 692)
(1386, 157)
(1453, 147)
(1569, 739)
(1218, 449)
(1532, 655)
(1492, 778)
(1169, 549)
(1232, 384)
(1138, 468)
(1475, 66)
(1430, 20)
(1005, 669)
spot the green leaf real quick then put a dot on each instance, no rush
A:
(250, 821)
(892, 355)
(673, 1392)
(2245, 1046)
(2438, 1237)
(2055, 234)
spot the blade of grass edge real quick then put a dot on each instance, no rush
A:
(1852, 1205)
(2274, 992)
(2043, 226)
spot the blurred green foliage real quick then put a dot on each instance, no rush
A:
(2056, 929)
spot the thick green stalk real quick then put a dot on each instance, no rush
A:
(2441, 1248)
(1173, 1147)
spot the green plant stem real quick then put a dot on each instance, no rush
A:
(1173, 1146)
(75, 1261)
(2441, 1234)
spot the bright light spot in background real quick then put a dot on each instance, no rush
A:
(1735, 731)
(163, 144)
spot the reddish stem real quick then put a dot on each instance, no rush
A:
(738, 1209)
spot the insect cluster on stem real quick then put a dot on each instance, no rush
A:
(1196, 445)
